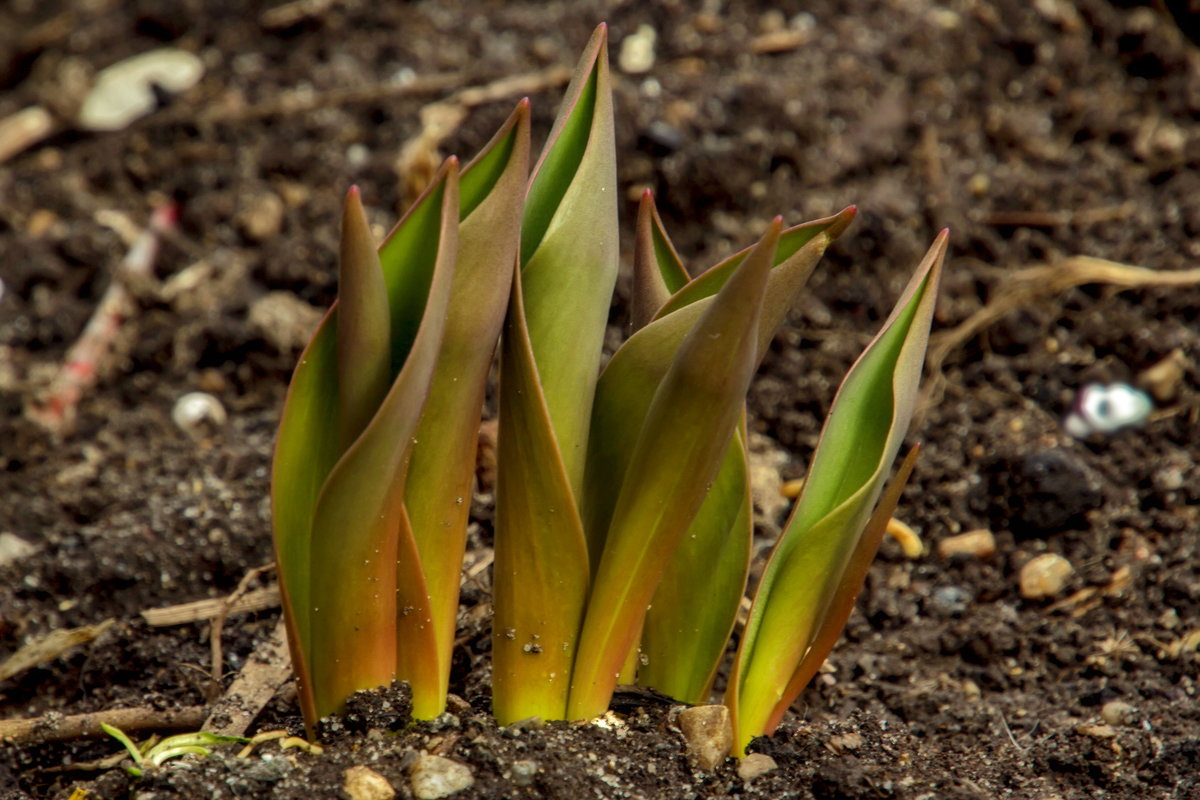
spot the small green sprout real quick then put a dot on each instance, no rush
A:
(623, 525)
(153, 755)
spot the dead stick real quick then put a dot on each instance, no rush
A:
(54, 727)
(265, 671)
(218, 623)
(55, 411)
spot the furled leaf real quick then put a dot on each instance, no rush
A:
(633, 374)
(658, 272)
(569, 253)
(807, 570)
(369, 618)
(541, 567)
(442, 465)
(686, 432)
(364, 325)
(688, 625)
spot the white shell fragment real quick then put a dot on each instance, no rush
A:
(124, 91)
(197, 412)
(1100, 408)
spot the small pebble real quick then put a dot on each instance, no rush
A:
(754, 765)
(708, 733)
(124, 91)
(1117, 712)
(261, 215)
(434, 777)
(363, 783)
(950, 601)
(1044, 576)
(980, 543)
(523, 772)
(1107, 409)
(284, 320)
(198, 413)
(637, 51)
(1164, 378)
(13, 548)
(1096, 731)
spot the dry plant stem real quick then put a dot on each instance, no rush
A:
(200, 610)
(419, 158)
(1026, 285)
(265, 671)
(56, 728)
(218, 623)
(56, 409)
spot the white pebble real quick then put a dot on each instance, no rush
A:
(196, 411)
(1107, 409)
(124, 91)
(754, 765)
(637, 51)
(434, 777)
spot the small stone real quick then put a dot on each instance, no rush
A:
(363, 783)
(125, 91)
(754, 765)
(708, 733)
(198, 413)
(284, 320)
(950, 601)
(845, 741)
(1117, 712)
(433, 777)
(13, 548)
(523, 772)
(1164, 378)
(637, 51)
(261, 216)
(1096, 731)
(1044, 576)
(979, 543)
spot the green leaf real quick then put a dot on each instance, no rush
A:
(569, 253)
(633, 374)
(442, 466)
(686, 432)
(364, 325)
(541, 562)
(806, 571)
(689, 621)
(658, 272)
(369, 619)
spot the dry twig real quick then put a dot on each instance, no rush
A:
(1024, 286)
(218, 623)
(56, 409)
(264, 672)
(54, 727)
(200, 610)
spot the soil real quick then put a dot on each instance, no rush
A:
(1035, 131)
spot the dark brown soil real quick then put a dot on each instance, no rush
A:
(1035, 130)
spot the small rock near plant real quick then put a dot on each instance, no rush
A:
(980, 543)
(523, 772)
(708, 733)
(363, 783)
(1044, 576)
(754, 765)
(433, 777)
(1117, 712)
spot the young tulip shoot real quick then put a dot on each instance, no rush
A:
(623, 514)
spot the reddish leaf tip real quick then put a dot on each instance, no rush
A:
(647, 195)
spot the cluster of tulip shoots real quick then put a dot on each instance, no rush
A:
(623, 515)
